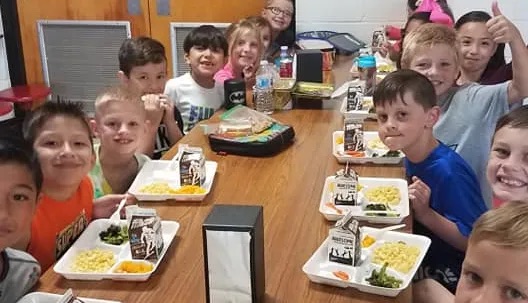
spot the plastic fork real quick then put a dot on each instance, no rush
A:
(116, 216)
(379, 232)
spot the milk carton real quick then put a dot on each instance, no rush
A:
(353, 135)
(354, 98)
(144, 232)
(345, 241)
(192, 165)
(379, 38)
(346, 187)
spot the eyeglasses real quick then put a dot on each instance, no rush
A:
(277, 11)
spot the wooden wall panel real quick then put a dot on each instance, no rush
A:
(29, 11)
(213, 11)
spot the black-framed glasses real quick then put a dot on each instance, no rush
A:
(277, 11)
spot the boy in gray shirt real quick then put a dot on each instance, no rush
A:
(469, 112)
(20, 184)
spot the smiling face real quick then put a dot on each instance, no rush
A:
(507, 170)
(245, 50)
(491, 273)
(438, 63)
(279, 14)
(475, 46)
(146, 79)
(18, 198)
(402, 124)
(64, 150)
(119, 126)
(205, 62)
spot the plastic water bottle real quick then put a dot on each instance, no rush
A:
(286, 63)
(367, 73)
(263, 92)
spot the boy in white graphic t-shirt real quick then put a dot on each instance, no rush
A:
(196, 94)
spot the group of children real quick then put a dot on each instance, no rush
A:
(443, 122)
(59, 167)
(446, 130)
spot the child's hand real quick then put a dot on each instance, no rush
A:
(105, 206)
(384, 49)
(249, 73)
(168, 107)
(501, 29)
(419, 194)
(153, 108)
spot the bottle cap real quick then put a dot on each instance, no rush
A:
(284, 47)
(263, 62)
(367, 61)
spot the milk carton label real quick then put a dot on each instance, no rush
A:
(192, 166)
(346, 187)
(345, 242)
(146, 239)
(354, 98)
(353, 132)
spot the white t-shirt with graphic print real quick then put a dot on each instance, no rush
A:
(194, 102)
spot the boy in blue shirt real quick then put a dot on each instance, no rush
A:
(445, 193)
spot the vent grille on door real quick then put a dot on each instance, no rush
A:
(79, 58)
(178, 33)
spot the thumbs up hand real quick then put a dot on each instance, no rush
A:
(501, 29)
(495, 9)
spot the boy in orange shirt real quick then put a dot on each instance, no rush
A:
(61, 136)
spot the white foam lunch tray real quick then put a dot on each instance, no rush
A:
(319, 269)
(358, 212)
(44, 297)
(89, 239)
(147, 176)
(356, 114)
(338, 151)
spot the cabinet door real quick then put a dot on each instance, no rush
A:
(30, 11)
(163, 12)
(5, 82)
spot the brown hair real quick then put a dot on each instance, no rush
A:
(427, 35)
(260, 21)
(506, 226)
(517, 118)
(138, 52)
(34, 122)
(117, 94)
(398, 83)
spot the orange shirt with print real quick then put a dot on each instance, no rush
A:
(57, 224)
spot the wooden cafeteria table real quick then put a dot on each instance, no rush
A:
(288, 185)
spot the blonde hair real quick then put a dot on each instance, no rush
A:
(117, 94)
(506, 226)
(427, 35)
(240, 28)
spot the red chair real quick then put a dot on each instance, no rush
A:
(25, 95)
(15, 102)
(7, 111)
